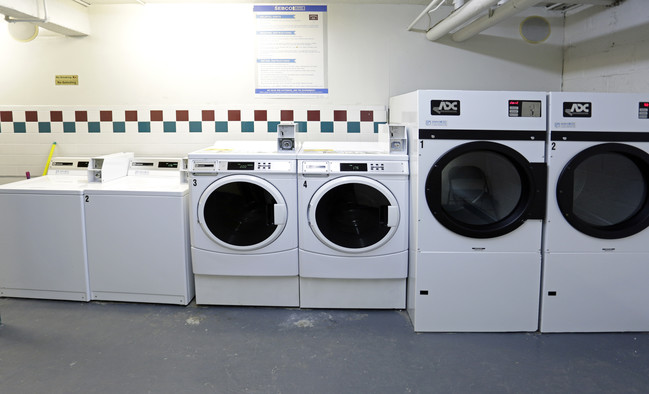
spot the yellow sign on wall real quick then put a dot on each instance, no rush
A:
(66, 80)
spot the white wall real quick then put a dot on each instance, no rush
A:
(195, 56)
(608, 50)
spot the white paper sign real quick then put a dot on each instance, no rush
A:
(291, 53)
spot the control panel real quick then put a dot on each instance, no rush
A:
(69, 163)
(216, 166)
(315, 167)
(524, 109)
(643, 110)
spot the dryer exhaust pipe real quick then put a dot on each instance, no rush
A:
(458, 17)
(506, 10)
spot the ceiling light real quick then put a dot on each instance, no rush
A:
(23, 31)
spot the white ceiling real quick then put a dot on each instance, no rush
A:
(556, 5)
(93, 2)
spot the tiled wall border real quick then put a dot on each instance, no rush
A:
(193, 120)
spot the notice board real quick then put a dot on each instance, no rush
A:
(291, 50)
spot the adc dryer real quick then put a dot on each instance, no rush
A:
(477, 201)
(596, 251)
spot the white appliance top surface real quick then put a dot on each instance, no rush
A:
(49, 183)
(236, 147)
(347, 150)
(141, 185)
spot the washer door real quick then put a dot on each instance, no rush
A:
(353, 214)
(485, 190)
(242, 212)
(603, 191)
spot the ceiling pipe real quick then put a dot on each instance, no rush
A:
(31, 20)
(506, 10)
(433, 4)
(458, 17)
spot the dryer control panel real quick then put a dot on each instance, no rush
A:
(351, 167)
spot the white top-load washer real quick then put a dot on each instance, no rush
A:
(42, 231)
(244, 224)
(137, 230)
(596, 250)
(477, 208)
(353, 227)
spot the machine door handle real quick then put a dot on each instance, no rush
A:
(393, 216)
(279, 214)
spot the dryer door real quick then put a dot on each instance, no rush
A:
(604, 191)
(242, 212)
(353, 214)
(484, 189)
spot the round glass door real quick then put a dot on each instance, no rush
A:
(481, 190)
(603, 191)
(353, 214)
(242, 212)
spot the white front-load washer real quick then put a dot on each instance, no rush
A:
(137, 234)
(353, 227)
(477, 207)
(596, 250)
(244, 224)
(42, 230)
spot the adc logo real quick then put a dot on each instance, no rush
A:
(577, 110)
(445, 107)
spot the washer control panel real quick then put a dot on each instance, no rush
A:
(211, 166)
(349, 167)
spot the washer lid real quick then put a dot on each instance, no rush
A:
(353, 214)
(242, 212)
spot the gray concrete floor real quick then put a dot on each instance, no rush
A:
(68, 347)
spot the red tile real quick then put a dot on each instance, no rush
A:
(286, 116)
(340, 116)
(31, 116)
(81, 116)
(182, 116)
(207, 115)
(130, 116)
(6, 116)
(234, 115)
(156, 116)
(367, 116)
(106, 116)
(56, 116)
(261, 115)
(313, 116)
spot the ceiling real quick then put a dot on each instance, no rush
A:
(565, 5)
(94, 2)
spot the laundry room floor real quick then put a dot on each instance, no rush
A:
(102, 347)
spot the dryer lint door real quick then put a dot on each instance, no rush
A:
(603, 191)
(485, 189)
(353, 214)
(242, 212)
